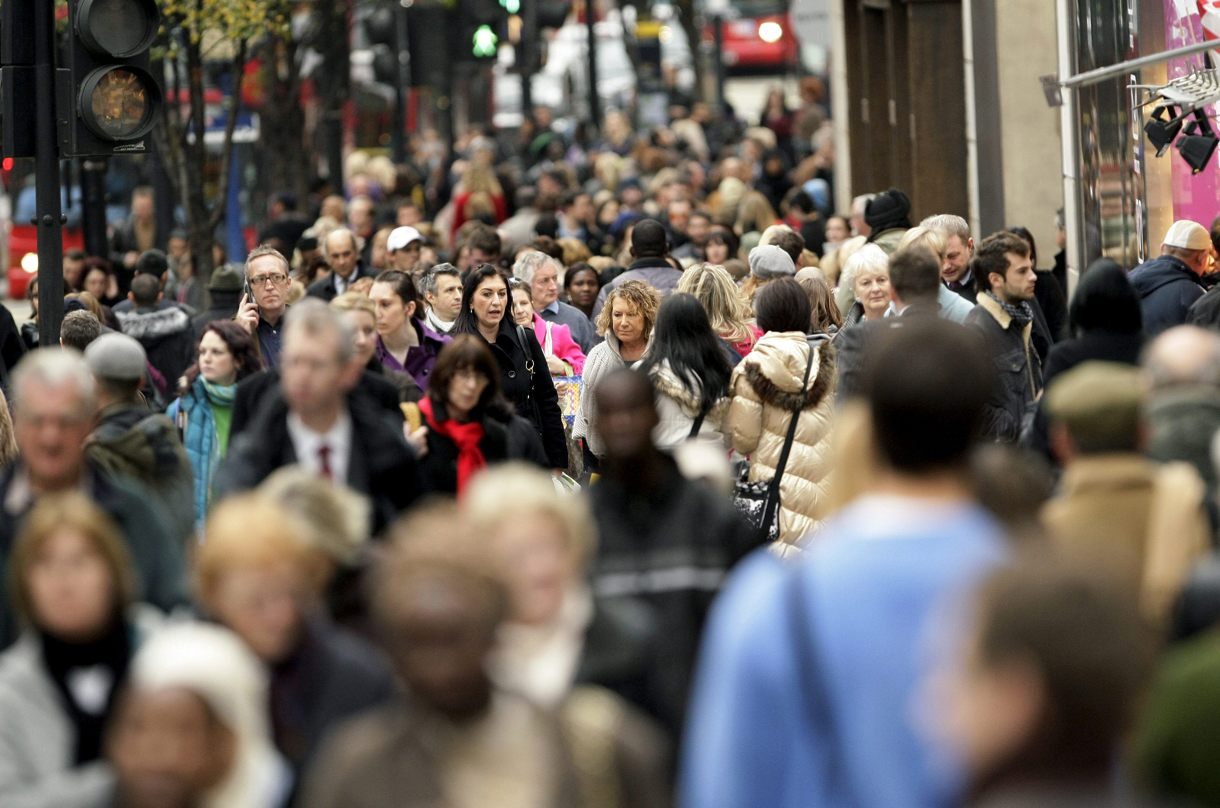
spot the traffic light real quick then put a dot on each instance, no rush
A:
(479, 27)
(17, 95)
(107, 99)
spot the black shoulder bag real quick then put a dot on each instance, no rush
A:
(522, 336)
(758, 501)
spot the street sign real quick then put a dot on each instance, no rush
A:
(811, 21)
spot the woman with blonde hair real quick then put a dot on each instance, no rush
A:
(260, 573)
(713, 286)
(59, 683)
(479, 183)
(626, 323)
(754, 214)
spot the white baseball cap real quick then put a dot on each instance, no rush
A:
(1187, 235)
(402, 237)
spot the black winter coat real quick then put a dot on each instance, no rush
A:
(515, 439)
(382, 466)
(1167, 289)
(1010, 410)
(532, 393)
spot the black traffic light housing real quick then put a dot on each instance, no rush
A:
(17, 94)
(106, 97)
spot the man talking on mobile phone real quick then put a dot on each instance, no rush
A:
(263, 305)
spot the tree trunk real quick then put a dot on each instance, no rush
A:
(284, 159)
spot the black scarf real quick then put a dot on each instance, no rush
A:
(88, 676)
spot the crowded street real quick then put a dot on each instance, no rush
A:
(595, 404)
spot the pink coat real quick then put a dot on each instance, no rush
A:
(562, 344)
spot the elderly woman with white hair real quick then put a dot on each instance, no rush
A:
(864, 286)
(192, 728)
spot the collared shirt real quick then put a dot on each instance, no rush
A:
(269, 342)
(306, 443)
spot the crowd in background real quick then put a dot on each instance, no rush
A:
(615, 472)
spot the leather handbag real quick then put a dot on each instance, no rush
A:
(758, 501)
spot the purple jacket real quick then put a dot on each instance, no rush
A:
(421, 358)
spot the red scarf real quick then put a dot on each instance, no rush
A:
(465, 436)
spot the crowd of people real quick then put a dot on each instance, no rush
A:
(616, 473)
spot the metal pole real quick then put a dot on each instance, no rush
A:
(718, 58)
(595, 106)
(528, 56)
(1102, 73)
(93, 204)
(1069, 125)
(398, 136)
(49, 220)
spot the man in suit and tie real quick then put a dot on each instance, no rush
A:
(341, 248)
(314, 422)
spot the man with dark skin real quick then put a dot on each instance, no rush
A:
(438, 605)
(665, 541)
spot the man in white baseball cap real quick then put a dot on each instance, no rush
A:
(404, 246)
(1168, 285)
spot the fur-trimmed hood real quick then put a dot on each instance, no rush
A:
(668, 384)
(154, 324)
(776, 369)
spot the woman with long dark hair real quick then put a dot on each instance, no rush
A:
(470, 425)
(690, 372)
(204, 408)
(524, 379)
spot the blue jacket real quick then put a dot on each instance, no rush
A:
(193, 414)
(809, 674)
(1167, 289)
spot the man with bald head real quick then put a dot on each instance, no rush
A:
(1181, 376)
(341, 247)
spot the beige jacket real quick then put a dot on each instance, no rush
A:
(1140, 523)
(765, 389)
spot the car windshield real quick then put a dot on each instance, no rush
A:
(759, 8)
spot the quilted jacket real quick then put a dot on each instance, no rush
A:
(765, 390)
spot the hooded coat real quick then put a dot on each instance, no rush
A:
(1167, 289)
(766, 389)
(677, 409)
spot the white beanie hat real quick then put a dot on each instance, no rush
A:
(211, 662)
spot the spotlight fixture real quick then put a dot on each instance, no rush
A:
(1198, 144)
(1160, 130)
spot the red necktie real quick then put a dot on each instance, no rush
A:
(324, 460)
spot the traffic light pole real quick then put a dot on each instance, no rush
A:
(49, 221)
(595, 105)
(402, 36)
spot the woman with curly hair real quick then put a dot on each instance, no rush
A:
(626, 323)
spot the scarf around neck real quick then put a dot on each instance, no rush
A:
(220, 395)
(1021, 314)
(465, 436)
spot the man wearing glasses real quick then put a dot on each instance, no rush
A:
(265, 301)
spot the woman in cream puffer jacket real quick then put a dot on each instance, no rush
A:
(766, 390)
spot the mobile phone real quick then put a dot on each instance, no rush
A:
(249, 293)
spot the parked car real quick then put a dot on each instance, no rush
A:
(22, 238)
(757, 36)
